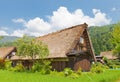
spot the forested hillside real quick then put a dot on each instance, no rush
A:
(101, 38)
(8, 39)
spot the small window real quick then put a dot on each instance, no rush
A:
(13, 53)
(81, 40)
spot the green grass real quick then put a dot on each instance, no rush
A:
(107, 76)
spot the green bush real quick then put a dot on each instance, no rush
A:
(36, 67)
(68, 71)
(46, 69)
(79, 71)
(42, 66)
(2, 64)
(98, 68)
(112, 63)
(8, 65)
(18, 68)
(74, 76)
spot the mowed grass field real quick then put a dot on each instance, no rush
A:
(107, 76)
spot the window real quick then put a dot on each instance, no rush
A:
(81, 40)
(13, 53)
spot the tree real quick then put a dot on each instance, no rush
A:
(27, 46)
(116, 39)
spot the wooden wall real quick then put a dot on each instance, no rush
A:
(83, 61)
(59, 65)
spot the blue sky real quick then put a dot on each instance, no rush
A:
(37, 17)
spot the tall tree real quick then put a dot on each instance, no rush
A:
(116, 39)
(27, 46)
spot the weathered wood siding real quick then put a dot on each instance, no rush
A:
(83, 61)
(59, 65)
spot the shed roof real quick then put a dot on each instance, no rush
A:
(108, 55)
(5, 51)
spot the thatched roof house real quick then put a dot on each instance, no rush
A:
(62, 42)
(108, 55)
(7, 52)
(70, 47)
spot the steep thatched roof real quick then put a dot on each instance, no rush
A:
(108, 55)
(5, 51)
(61, 42)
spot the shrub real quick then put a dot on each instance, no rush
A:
(112, 63)
(46, 69)
(18, 68)
(98, 68)
(36, 67)
(68, 71)
(74, 76)
(79, 71)
(2, 64)
(42, 66)
(8, 64)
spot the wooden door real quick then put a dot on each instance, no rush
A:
(84, 64)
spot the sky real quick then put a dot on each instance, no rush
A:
(39, 17)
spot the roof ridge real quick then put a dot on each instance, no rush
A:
(52, 33)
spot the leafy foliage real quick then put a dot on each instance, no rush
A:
(2, 63)
(114, 64)
(100, 37)
(27, 46)
(8, 64)
(79, 71)
(42, 66)
(67, 71)
(116, 39)
(18, 68)
(98, 68)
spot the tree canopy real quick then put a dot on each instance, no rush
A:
(116, 39)
(27, 46)
(100, 37)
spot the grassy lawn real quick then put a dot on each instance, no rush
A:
(107, 76)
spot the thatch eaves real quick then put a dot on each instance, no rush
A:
(15, 57)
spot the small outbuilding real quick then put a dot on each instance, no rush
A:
(108, 55)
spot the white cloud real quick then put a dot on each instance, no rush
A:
(3, 28)
(3, 33)
(60, 19)
(19, 20)
(100, 18)
(37, 24)
(18, 33)
(113, 9)
(63, 18)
